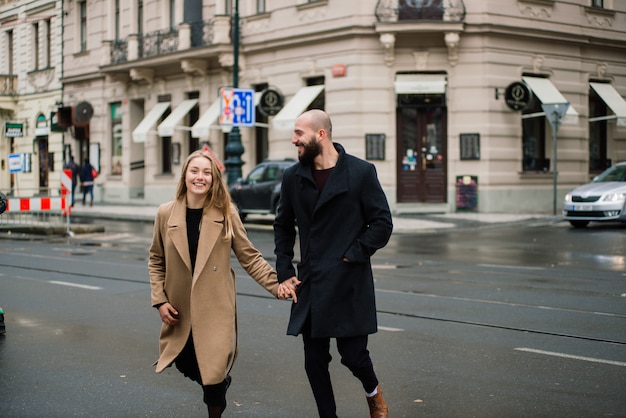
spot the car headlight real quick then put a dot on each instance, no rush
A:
(614, 197)
(568, 197)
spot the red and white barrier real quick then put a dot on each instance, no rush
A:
(36, 204)
(66, 189)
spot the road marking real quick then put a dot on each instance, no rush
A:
(497, 302)
(502, 266)
(571, 356)
(384, 266)
(389, 329)
(82, 286)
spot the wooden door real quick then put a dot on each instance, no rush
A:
(422, 154)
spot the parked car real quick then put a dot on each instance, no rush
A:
(260, 190)
(604, 199)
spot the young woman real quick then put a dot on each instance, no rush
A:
(192, 282)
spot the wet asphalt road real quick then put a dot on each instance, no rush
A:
(511, 321)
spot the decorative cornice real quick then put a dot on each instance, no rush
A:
(452, 42)
(602, 18)
(388, 40)
(41, 79)
(194, 67)
(536, 8)
(138, 74)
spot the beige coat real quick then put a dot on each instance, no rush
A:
(206, 302)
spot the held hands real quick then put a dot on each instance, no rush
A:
(169, 315)
(287, 289)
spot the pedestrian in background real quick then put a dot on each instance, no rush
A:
(87, 176)
(193, 283)
(75, 169)
(343, 217)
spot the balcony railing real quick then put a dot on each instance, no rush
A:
(420, 10)
(201, 33)
(119, 51)
(152, 44)
(8, 85)
(159, 43)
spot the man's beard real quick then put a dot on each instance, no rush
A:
(310, 150)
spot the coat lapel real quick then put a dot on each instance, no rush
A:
(337, 182)
(177, 231)
(211, 229)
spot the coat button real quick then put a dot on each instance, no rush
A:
(214, 268)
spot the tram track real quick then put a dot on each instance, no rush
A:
(392, 312)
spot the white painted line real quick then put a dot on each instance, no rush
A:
(82, 286)
(502, 266)
(570, 356)
(497, 302)
(389, 329)
(384, 266)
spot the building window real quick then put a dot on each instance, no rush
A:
(48, 57)
(139, 17)
(117, 20)
(320, 101)
(116, 139)
(194, 115)
(597, 134)
(261, 134)
(260, 6)
(166, 141)
(597, 3)
(83, 26)
(228, 7)
(10, 51)
(36, 46)
(534, 139)
(172, 15)
(166, 155)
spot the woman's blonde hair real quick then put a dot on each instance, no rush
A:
(218, 195)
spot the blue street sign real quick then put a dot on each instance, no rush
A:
(15, 163)
(237, 107)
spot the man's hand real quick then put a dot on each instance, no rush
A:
(287, 289)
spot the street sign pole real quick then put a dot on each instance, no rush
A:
(555, 113)
(234, 148)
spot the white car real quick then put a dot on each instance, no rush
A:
(604, 199)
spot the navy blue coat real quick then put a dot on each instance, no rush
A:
(351, 219)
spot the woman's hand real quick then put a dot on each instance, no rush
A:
(287, 289)
(169, 315)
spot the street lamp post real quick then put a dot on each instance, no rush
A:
(234, 148)
(555, 113)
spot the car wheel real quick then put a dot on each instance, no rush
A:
(579, 224)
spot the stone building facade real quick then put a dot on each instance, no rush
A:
(30, 92)
(448, 98)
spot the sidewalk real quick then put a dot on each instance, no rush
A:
(403, 224)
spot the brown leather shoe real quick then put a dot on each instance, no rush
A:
(377, 404)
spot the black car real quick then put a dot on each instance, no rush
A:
(260, 190)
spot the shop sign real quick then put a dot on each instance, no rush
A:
(54, 122)
(517, 96)
(41, 127)
(271, 102)
(13, 130)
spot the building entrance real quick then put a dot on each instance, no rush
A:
(422, 149)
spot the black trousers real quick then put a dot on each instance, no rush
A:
(354, 355)
(187, 364)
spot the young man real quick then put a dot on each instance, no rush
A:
(342, 217)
